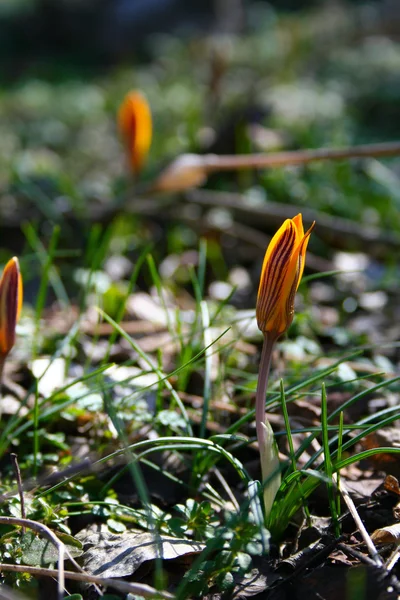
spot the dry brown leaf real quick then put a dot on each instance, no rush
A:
(112, 555)
(387, 535)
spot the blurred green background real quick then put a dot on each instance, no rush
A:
(224, 76)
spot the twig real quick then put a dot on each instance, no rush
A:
(237, 230)
(191, 170)
(373, 552)
(226, 487)
(384, 574)
(331, 228)
(47, 533)
(360, 556)
(297, 157)
(48, 480)
(393, 558)
(14, 460)
(318, 554)
(140, 589)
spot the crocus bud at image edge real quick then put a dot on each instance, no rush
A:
(10, 304)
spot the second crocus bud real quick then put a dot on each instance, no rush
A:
(10, 305)
(135, 125)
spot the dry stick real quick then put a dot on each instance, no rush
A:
(14, 460)
(360, 525)
(204, 165)
(338, 228)
(226, 487)
(46, 532)
(363, 558)
(393, 558)
(373, 552)
(123, 586)
(213, 162)
(248, 234)
(192, 170)
(84, 466)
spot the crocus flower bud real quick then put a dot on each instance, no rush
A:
(280, 277)
(135, 125)
(10, 305)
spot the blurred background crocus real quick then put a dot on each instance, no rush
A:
(135, 126)
(10, 307)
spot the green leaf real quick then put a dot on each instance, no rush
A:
(243, 560)
(225, 582)
(116, 526)
(40, 552)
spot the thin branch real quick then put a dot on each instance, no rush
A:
(332, 229)
(364, 558)
(393, 559)
(48, 480)
(237, 229)
(214, 163)
(14, 460)
(191, 170)
(373, 552)
(122, 586)
(227, 488)
(47, 533)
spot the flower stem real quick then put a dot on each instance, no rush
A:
(262, 384)
(2, 361)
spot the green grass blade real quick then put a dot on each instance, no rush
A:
(327, 461)
(153, 367)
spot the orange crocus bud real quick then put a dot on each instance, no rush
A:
(10, 305)
(135, 125)
(280, 277)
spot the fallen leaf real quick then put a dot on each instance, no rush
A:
(391, 484)
(37, 551)
(112, 555)
(253, 583)
(387, 535)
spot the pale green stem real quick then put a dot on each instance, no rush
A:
(262, 384)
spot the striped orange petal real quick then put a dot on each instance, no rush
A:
(10, 304)
(281, 273)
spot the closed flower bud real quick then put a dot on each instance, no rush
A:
(280, 277)
(10, 305)
(135, 125)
